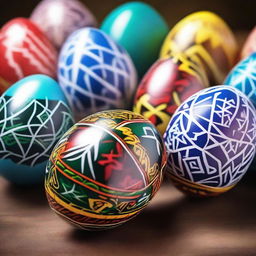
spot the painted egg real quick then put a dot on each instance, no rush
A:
(164, 87)
(105, 169)
(59, 18)
(211, 141)
(249, 45)
(141, 37)
(95, 73)
(33, 116)
(206, 39)
(24, 51)
(243, 77)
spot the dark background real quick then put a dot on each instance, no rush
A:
(239, 14)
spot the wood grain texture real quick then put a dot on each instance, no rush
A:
(172, 224)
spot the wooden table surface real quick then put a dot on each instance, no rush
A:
(172, 224)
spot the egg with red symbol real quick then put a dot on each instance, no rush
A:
(24, 51)
(164, 87)
(249, 45)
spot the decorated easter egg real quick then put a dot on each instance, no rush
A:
(33, 116)
(95, 73)
(141, 36)
(164, 87)
(206, 39)
(243, 77)
(249, 45)
(59, 18)
(211, 141)
(105, 169)
(24, 50)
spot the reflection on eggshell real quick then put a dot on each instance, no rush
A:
(59, 18)
(95, 73)
(249, 45)
(24, 50)
(33, 116)
(211, 141)
(164, 87)
(206, 39)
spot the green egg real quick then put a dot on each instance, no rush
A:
(140, 29)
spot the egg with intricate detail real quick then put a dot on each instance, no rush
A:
(249, 45)
(95, 73)
(59, 18)
(211, 141)
(164, 87)
(207, 40)
(105, 169)
(34, 114)
(140, 29)
(243, 77)
(24, 51)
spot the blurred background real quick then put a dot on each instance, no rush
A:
(239, 14)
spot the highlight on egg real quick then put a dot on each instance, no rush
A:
(105, 170)
(207, 40)
(164, 87)
(140, 29)
(243, 77)
(24, 51)
(249, 45)
(95, 73)
(59, 18)
(211, 141)
(34, 114)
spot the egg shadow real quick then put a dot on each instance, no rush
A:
(27, 195)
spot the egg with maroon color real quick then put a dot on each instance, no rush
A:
(249, 45)
(59, 18)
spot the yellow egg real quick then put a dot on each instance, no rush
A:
(205, 39)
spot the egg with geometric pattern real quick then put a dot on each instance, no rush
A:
(243, 77)
(105, 170)
(34, 114)
(95, 73)
(211, 141)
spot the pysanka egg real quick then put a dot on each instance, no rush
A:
(95, 73)
(33, 116)
(243, 77)
(207, 40)
(24, 50)
(105, 169)
(164, 87)
(140, 29)
(249, 45)
(59, 18)
(211, 141)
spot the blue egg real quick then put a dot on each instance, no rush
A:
(243, 77)
(211, 141)
(34, 114)
(95, 73)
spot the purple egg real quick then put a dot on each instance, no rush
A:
(59, 18)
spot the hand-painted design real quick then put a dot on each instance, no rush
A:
(95, 73)
(29, 134)
(243, 77)
(207, 41)
(61, 17)
(176, 80)
(211, 140)
(25, 50)
(118, 172)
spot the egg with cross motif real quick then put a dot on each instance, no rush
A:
(105, 169)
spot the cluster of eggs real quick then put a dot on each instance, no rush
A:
(104, 169)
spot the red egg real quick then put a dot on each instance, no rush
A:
(249, 45)
(24, 50)
(165, 86)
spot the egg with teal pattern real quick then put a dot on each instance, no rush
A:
(140, 29)
(243, 77)
(34, 114)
